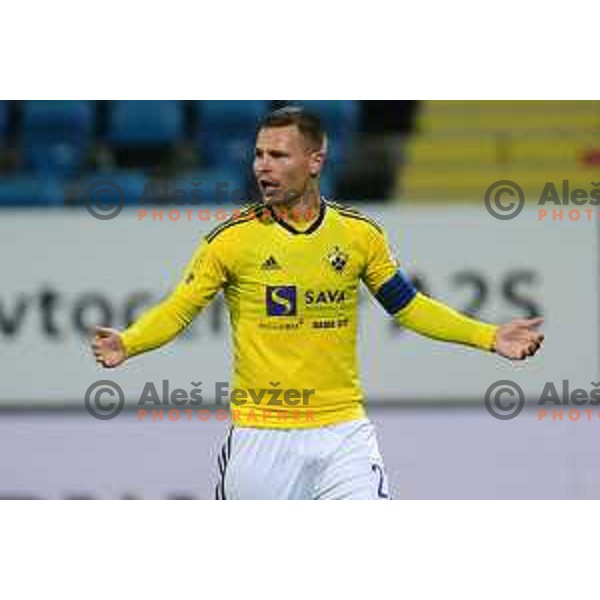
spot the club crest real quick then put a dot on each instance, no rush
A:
(337, 259)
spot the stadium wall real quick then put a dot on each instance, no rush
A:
(63, 273)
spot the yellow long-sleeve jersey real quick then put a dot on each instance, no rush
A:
(293, 299)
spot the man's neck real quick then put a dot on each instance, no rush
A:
(302, 211)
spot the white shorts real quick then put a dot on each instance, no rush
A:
(334, 462)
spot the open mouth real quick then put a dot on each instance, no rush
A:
(269, 188)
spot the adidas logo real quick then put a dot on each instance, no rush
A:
(270, 264)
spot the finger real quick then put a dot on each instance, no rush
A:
(527, 323)
(535, 322)
(528, 337)
(516, 353)
(105, 362)
(534, 348)
(103, 332)
(538, 341)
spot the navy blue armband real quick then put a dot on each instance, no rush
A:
(396, 293)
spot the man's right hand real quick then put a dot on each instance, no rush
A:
(108, 348)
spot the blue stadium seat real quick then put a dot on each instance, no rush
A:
(56, 134)
(27, 191)
(227, 130)
(121, 186)
(338, 116)
(214, 186)
(210, 187)
(340, 119)
(145, 122)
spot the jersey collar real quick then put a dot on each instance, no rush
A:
(313, 226)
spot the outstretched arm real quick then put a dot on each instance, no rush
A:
(202, 279)
(515, 340)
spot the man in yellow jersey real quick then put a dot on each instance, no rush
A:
(290, 268)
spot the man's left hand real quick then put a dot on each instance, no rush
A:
(519, 339)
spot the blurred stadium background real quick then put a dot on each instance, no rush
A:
(421, 168)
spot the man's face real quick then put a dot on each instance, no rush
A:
(284, 163)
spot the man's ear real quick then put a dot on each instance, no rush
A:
(316, 161)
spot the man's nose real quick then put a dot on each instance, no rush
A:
(263, 165)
